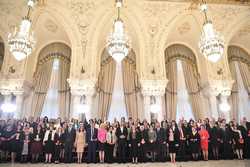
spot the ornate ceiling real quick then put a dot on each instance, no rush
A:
(152, 25)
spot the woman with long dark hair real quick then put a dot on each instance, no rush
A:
(80, 142)
(36, 143)
(134, 143)
(110, 145)
(49, 143)
(195, 143)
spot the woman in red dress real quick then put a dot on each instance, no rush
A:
(204, 136)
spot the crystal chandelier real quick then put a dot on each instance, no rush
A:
(22, 42)
(211, 43)
(118, 42)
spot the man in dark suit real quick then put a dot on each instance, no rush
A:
(121, 134)
(161, 139)
(69, 139)
(91, 139)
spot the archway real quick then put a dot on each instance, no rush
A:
(183, 90)
(239, 63)
(118, 88)
(51, 89)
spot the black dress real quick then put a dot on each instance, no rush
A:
(174, 145)
(49, 144)
(8, 135)
(135, 139)
(239, 142)
(195, 143)
(17, 142)
(143, 147)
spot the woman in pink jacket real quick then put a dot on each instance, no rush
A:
(101, 136)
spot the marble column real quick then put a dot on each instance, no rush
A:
(154, 88)
(74, 108)
(218, 88)
(225, 113)
(19, 106)
(213, 106)
(82, 98)
(146, 113)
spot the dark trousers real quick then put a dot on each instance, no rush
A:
(182, 150)
(92, 151)
(142, 153)
(109, 153)
(160, 151)
(68, 152)
(122, 145)
(57, 152)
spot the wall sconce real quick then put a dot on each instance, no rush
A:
(12, 70)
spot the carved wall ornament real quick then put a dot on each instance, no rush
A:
(82, 86)
(153, 87)
(245, 30)
(12, 70)
(51, 26)
(223, 15)
(184, 28)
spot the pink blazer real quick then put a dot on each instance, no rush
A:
(102, 135)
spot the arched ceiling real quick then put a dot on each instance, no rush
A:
(151, 24)
(242, 36)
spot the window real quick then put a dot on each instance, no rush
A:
(51, 105)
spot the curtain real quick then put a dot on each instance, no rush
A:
(51, 107)
(63, 88)
(243, 98)
(193, 88)
(184, 108)
(234, 94)
(131, 86)
(245, 74)
(171, 90)
(41, 83)
(105, 86)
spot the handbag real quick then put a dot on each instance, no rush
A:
(241, 141)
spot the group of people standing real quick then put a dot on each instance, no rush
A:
(122, 141)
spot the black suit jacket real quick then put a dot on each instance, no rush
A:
(88, 135)
(69, 136)
(119, 133)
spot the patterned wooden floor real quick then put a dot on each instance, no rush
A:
(221, 163)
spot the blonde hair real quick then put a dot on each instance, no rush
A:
(103, 126)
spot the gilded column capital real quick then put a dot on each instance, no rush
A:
(15, 86)
(222, 87)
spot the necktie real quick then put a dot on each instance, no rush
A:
(111, 137)
(91, 133)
